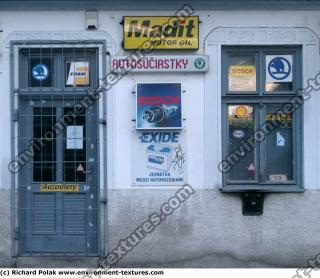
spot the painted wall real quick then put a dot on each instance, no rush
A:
(209, 229)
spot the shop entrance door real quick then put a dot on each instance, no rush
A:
(58, 186)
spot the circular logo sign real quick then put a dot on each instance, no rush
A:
(241, 111)
(279, 68)
(199, 63)
(238, 133)
(40, 72)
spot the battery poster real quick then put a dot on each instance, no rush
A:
(158, 158)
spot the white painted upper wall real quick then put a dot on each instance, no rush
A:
(109, 22)
(120, 103)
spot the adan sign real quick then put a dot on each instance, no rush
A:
(162, 32)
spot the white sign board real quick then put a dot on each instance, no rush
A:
(158, 158)
(78, 73)
(75, 137)
(279, 68)
(190, 63)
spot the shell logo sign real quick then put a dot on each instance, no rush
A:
(241, 111)
(161, 32)
(78, 74)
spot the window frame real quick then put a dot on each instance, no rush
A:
(261, 100)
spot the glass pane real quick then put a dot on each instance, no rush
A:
(279, 73)
(276, 86)
(44, 160)
(279, 145)
(242, 73)
(241, 122)
(74, 154)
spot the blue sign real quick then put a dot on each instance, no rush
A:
(279, 69)
(40, 72)
(158, 106)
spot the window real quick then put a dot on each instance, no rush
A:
(58, 69)
(262, 119)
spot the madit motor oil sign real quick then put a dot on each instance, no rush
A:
(161, 32)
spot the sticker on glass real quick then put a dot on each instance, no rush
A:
(281, 142)
(241, 111)
(80, 168)
(251, 167)
(279, 68)
(278, 177)
(40, 72)
(238, 133)
(78, 74)
(241, 116)
(242, 77)
(242, 70)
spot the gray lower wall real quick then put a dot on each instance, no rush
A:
(5, 228)
(208, 230)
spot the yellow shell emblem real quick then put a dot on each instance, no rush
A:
(241, 111)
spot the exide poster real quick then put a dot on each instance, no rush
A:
(159, 158)
(158, 106)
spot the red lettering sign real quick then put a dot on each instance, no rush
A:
(158, 100)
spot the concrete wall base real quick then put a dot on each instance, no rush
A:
(208, 230)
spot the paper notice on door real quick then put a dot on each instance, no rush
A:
(75, 137)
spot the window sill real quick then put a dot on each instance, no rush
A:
(280, 188)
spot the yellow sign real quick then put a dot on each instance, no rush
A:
(278, 117)
(242, 70)
(241, 111)
(161, 32)
(59, 187)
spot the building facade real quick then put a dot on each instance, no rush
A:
(201, 152)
